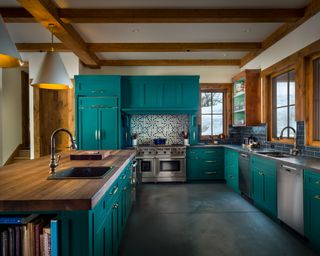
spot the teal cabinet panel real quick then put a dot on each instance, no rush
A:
(152, 94)
(108, 133)
(97, 123)
(312, 208)
(205, 164)
(231, 169)
(193, 129)
(98, 85)
(263, 174)
(87, 128)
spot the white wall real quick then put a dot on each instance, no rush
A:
(301, 37)
(11, 123)
(208, 74)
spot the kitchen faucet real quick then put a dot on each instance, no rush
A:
(54, 160)
(294, 151)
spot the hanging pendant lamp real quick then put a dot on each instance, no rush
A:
(9, 55)
(52, 74)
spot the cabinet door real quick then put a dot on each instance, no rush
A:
(270, 193)
(172, 94)
(193, 130)
(88, 129)
(152, 93)
(108, 131)
(312, 213)
(190, 92)
(99, 241)
(116, 218)
(257, 185)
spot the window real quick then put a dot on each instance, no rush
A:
(316, 100)
(283, 104)
(212, 113)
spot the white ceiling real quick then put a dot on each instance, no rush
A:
(198, 32)
(181, 3)
(170, 55)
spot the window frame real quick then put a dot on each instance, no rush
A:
(216, 88)
(310, 100)
(272, 101)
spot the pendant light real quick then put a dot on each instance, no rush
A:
(9, 55)
(52, 74)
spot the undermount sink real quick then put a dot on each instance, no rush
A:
(274, 154)
(87, 172)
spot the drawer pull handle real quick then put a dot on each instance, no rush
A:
(209, 152)
(125, 188)
(318, 182)
(211, 161)
(124, 176)
(115, 206)
(114, 191)
(210, 173)
(317, 197)
(261, 173)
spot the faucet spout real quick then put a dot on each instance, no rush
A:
(54, 160)
(295, 150)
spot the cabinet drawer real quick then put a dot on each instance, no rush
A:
(206, 174)
(205, 153)
(113, 192)
(312, 181)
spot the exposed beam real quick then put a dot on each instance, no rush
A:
(161, 15)
(16, 15)
(176, 62)
(145, 47)
(179, 15)
(46, 12)
(312, 9)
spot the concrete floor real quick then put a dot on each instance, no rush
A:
(203, 220)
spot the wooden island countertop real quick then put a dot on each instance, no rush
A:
(24, 186)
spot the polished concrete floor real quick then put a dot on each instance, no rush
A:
(203, 220)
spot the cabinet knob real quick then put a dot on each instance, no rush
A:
(115, 206)
(317, 197)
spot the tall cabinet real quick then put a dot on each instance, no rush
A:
(246, 97)
(98, 112)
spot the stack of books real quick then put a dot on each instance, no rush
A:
(28, 235)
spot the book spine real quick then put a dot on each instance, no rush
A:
(11, 241)
(18, 240)
(54, 237)
(4, 243)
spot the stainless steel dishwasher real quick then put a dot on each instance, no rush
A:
(290, 197)
(244, 173)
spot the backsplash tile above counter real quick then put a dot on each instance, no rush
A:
(149, 127)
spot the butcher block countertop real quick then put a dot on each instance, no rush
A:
(24, 186)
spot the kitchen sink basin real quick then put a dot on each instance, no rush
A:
(87, 172)
(274, 154)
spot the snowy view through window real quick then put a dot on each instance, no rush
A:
(211, 113)
(284, 103)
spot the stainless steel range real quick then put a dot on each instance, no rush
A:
(165, 163)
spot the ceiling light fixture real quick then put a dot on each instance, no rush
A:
(9, 55)
(52, 74)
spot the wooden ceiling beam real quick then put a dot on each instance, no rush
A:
(46, 12)
(179, 15)
(145, 47)
(173, 62)
(312, 9)
(69, 15)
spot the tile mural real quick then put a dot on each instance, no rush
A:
(149, 127)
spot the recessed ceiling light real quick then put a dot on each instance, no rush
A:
(247, 30)
(225, 54)
(135, 30)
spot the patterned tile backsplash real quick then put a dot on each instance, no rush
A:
(149, 127)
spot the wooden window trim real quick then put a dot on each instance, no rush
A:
(278, 72)
(225, 88)
(309, 95)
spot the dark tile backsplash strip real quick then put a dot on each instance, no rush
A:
(238, 134)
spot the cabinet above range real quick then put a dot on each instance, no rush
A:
(160, 94)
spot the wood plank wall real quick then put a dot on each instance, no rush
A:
(52, 109)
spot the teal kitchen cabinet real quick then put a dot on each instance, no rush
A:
(98, 85)
(312, 208)
(205, 163)
(97, 123)
(164, 94)
(263, 177)
(193, 129)
(231, 169)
